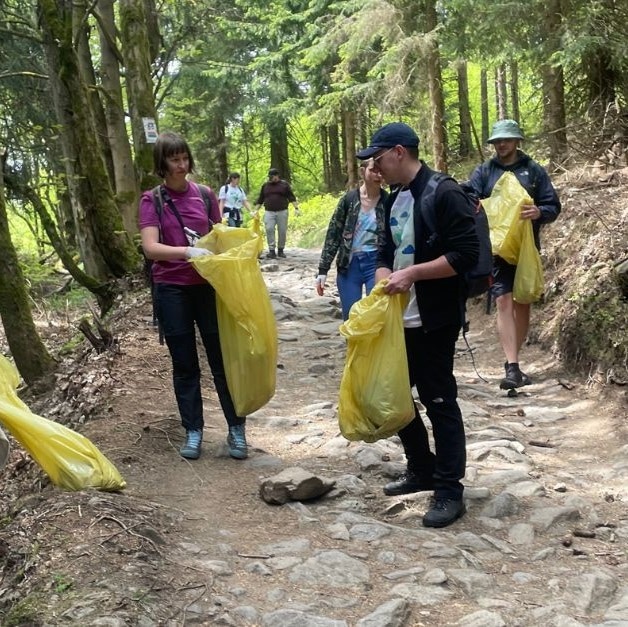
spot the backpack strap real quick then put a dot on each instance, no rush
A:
(204, 191)
(428, 204)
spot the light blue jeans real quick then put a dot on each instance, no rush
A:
(361, 272)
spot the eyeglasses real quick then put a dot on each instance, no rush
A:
(376, 159)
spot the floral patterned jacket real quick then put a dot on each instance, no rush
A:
(339, 238)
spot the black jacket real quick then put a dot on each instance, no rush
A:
(440, 301)
(532, 177)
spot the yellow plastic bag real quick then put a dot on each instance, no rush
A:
(529, 284)
(375, 397)
(68, 458)
(248, 334)
(503, 208)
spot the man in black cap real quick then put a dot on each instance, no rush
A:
(275, 195)
(431, 267)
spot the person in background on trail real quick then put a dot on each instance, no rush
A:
(513, 319)
(431, 269)
(352, 235)
(275, 195)
(183, 298)
(232, 199)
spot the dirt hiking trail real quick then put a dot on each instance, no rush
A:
(544, 541)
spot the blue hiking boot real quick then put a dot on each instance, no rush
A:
(191, 448)
(236, 441)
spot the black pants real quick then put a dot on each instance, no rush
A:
(179, 309)
(431, 363)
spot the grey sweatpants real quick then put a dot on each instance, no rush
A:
(280, 220)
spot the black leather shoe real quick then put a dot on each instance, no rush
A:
(408, 483)
(443, 512)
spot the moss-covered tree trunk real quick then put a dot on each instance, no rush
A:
(136, 52)
(31, 357)
(106, 248)
(126, 183)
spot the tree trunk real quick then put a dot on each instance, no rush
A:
(514, 90)
(325, 152)
(337, 171)
(464, 111)
(501, 92)
(126, 185)
(106, 248)
(136, 52)
(484, 105)
(279, 147)
(437, 99)
(31, 357)
(88, 76)
(350, 161)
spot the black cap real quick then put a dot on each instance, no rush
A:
(393, 134)
(273, 172)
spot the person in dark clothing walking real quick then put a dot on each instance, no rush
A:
(432, 270)
(513, 318)
(275, 195)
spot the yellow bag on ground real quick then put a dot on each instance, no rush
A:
(529, 284)
(503, 208)
(68, 458)
(375, 396)
(248, 334)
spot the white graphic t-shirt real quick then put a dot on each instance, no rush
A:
(234, 197)
(402, 229)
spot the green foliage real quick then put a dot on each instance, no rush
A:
(24, 612)
(309, 229)
(594, 333)
(61, 583)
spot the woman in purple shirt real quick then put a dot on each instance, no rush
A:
(184, 300)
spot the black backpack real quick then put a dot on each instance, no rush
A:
(480, 276)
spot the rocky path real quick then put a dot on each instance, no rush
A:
(544, 541)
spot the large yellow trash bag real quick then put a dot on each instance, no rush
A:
(529, 284)
(248, 334)
(375, 397)
(68, 458)
(503, 208)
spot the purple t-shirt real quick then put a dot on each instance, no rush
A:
(192, 210)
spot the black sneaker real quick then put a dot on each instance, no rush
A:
(408, 483)
(271, 254)
(513, 378)
(443, 512)
(525, 379)
(280, 253)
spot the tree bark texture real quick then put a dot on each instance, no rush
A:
(31, 357)
(279, 159)
(484, 104)
(501, 92)
(514, 90)
(435, 82)
(105, 246)
(464, 111)
(126, 184)
(350, 161)
(139, 84)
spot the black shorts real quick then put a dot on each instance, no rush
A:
(503, 277)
